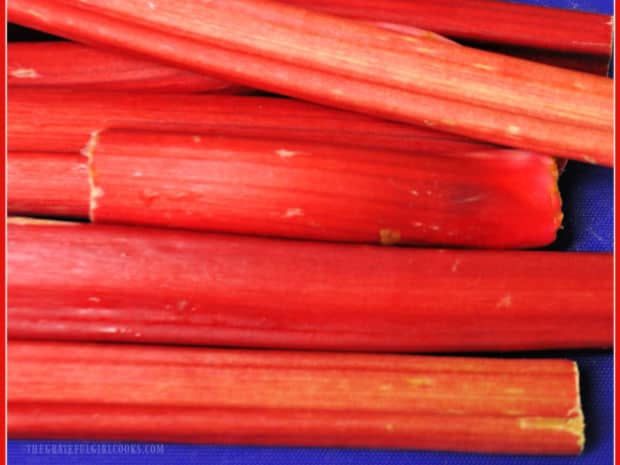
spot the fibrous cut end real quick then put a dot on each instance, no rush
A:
(572, 424)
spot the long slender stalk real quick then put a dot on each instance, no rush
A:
(321, 191)
(97, 391)
(281, 187)
(562, 112)
(75, 66)
(61, 120)
(488, 21)
(419, 48)
(542, 34)
(109, 283)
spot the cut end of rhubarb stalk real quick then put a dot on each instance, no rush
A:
(573, 423)
(95, 191)
(556, 196)
(578, 412)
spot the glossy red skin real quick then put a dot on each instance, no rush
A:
(113, 283)
(489, 21)
(421, 49)
(166, 394)
(309, 191)
(62, 120)
(67, 64)
(581, 141)
(48, 184)
(353, 50)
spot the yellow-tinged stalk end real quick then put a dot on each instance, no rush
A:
(578, 411)
(572, 423)
(556, 195)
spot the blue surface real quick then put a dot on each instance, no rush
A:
(587, 195)
(594, 6)
(588, 208)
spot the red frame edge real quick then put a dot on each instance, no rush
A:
(3, 377)
(3, 447)
(617, 230)
(3, 237)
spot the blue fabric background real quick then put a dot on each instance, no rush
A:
(588, 208)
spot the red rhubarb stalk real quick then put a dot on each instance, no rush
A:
(512, 23)
(562, 111)
(192, 395)
(422, 44)
(323, 192)
(62, 120)
(519, 29)
(113, 283)
(292, 189)
(66, 64)
(48, 184)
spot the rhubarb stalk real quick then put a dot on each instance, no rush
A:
(75, 66)
(48, 184)
(86, 282)
(297, 190)
(62, 120)
(323, 192)
(557, 36)
(274, 47)
(152, 393)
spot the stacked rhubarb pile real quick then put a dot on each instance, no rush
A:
(226, 175)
